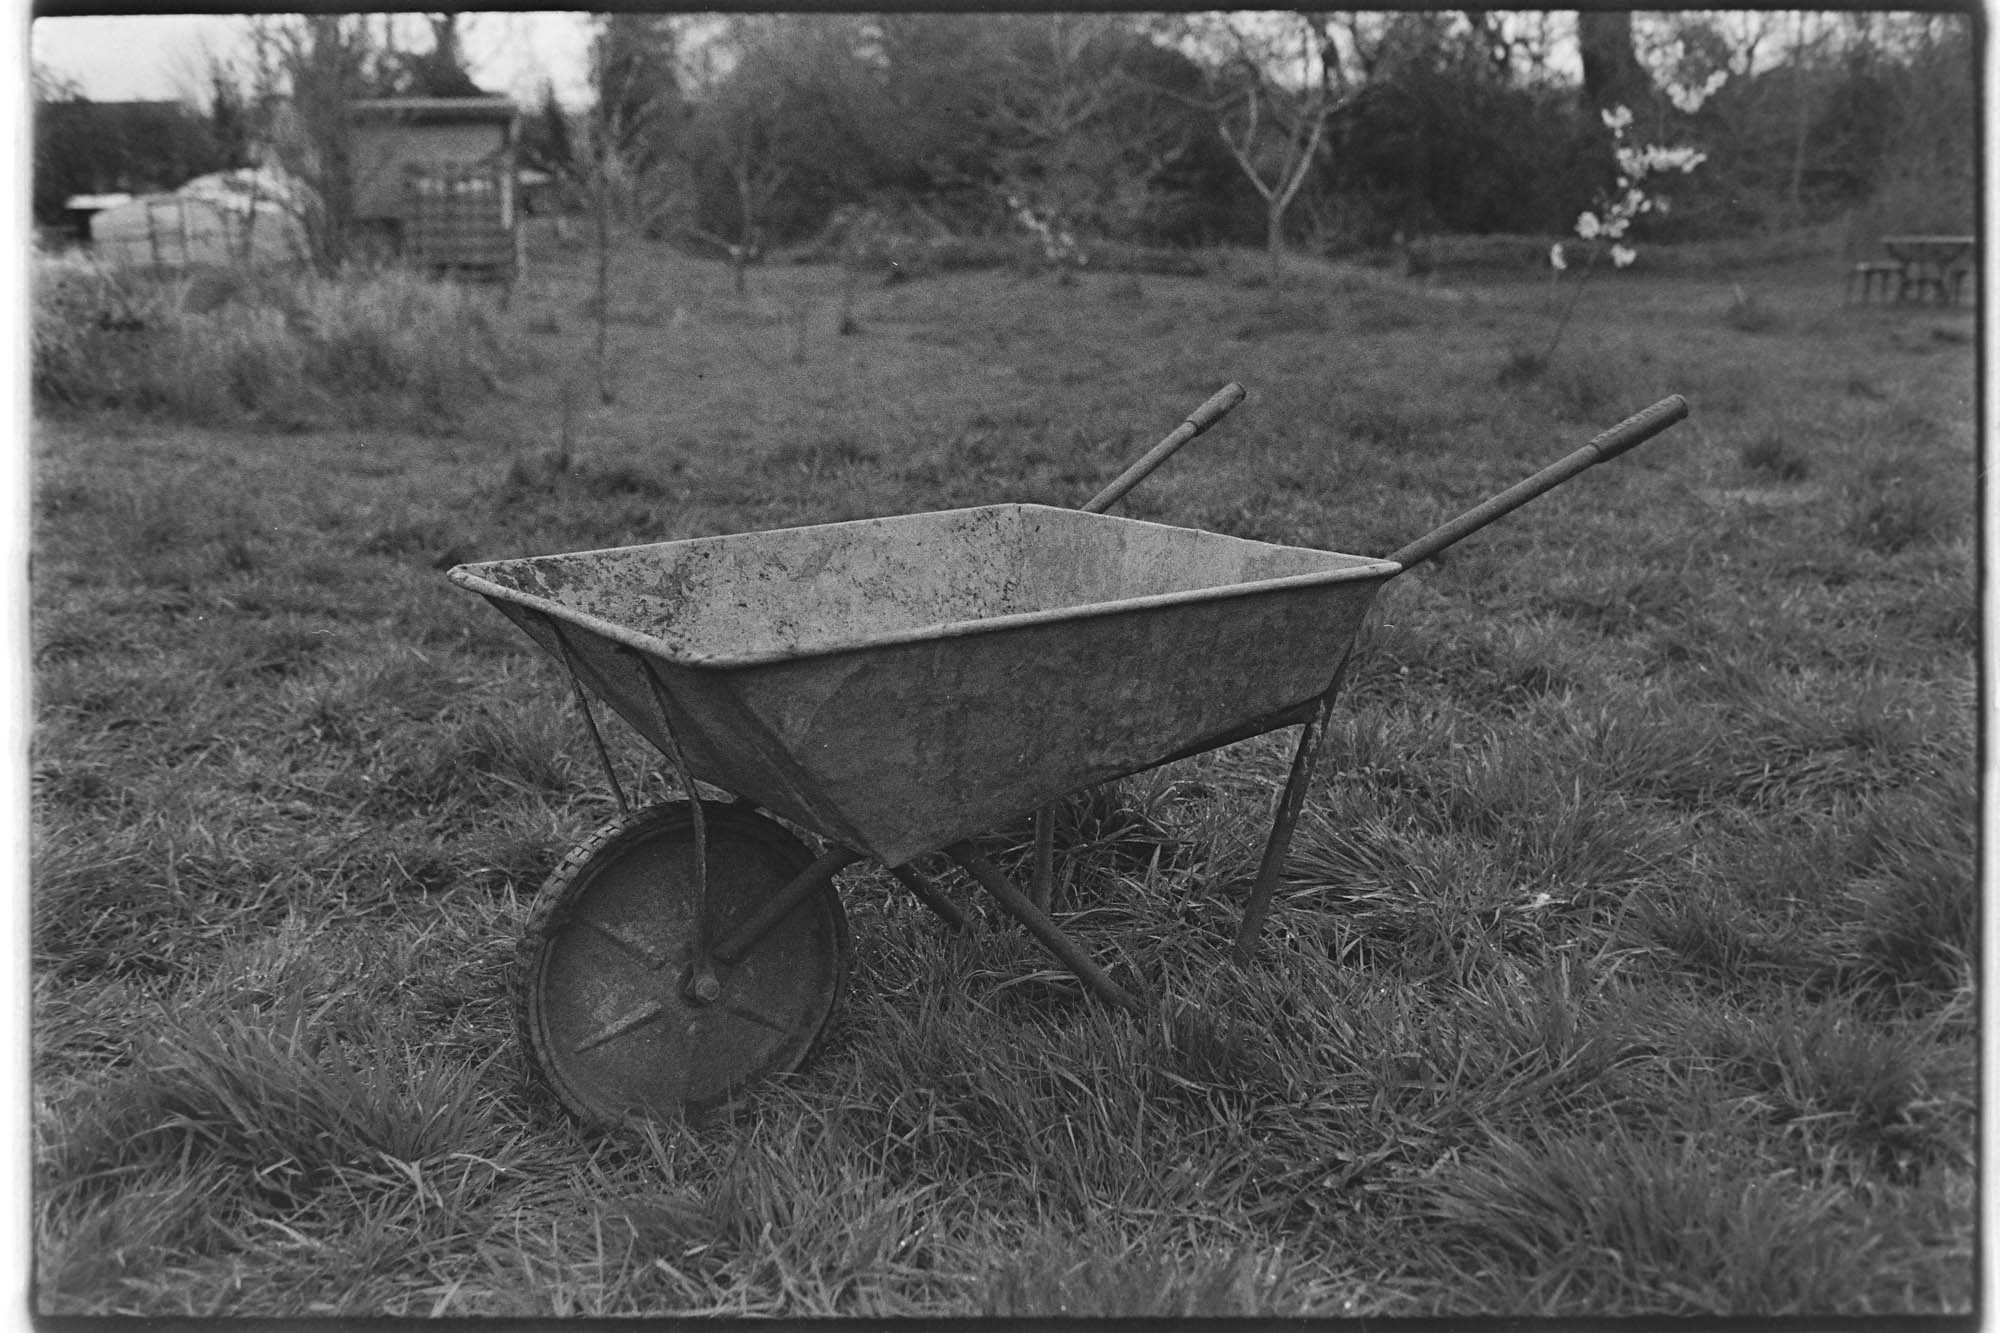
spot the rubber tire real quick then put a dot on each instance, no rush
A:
(609, 943)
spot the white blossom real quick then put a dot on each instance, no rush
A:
(1613, 216)
(1689, 99)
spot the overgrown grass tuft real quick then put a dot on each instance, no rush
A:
(1071, 1276)
(1833, 1078)
(1910, 918)
(1750, 313)
(1686, 1230)
(1776, 455)
(1891, 515)
(289, 1095)
(294, 350)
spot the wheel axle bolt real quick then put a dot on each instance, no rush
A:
(706, 989)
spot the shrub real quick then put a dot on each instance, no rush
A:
(89, 330)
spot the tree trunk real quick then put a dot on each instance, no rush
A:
(1801, 121)
(1612, 75)
(603, 290)
(739, 258)
(1274, 236)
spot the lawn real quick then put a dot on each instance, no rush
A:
(1623, 962)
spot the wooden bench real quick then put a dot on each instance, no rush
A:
(1866, 276)
(1931, 264)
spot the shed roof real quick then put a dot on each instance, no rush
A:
(434, 110)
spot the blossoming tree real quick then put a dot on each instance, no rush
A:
(1606, 226)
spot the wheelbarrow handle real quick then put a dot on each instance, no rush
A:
(1199, 420)
(1627, 434)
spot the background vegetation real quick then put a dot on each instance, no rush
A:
(1437, 122)
(758, 130)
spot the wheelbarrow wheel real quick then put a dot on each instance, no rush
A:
(604, 1003)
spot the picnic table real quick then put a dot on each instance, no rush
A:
(1929, 265)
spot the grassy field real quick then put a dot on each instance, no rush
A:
(1624, 961)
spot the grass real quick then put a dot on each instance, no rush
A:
(1748, 313)
(1623, 963)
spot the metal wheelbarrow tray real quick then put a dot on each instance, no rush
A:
(899, 684)
(896, 686)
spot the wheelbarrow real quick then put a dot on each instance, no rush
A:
(895, 687)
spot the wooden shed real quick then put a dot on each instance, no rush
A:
(436, 176)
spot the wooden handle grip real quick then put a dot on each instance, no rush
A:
(1640, 427)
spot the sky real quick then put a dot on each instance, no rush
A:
(161, 56)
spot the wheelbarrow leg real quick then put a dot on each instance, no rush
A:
(1305, 759)
(807, 882)
(1041, 888)
(926, 893)
(1051, 936)
(583, 706)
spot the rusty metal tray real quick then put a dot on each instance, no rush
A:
(901, 683)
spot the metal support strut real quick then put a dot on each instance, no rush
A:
(744, 938)
(589, 721)
(1041, 885)
(1304, 760)
(1051, 936)
(926, 893)
(702, 986)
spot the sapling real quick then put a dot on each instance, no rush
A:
(1607, 225)
(1059, 247)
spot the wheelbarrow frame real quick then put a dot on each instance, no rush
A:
(1030, 909)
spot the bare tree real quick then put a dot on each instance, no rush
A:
(305, 71)
(1077, 136)
(623, 169)
(1931, 176)
(1044, 95)
(744, 116)
(1282, 79)
(777, 103)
